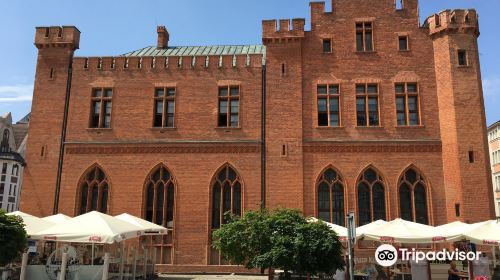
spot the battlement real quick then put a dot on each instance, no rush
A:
(169, 63)
(57, 36)
(465, 21)
(271, 30)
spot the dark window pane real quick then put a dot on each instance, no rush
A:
(170, 205)
(160, 192)
(411, 176)
(216, 195)
(104, 200)
(412, 87)
(462, 58)
(235, 91)
(223, 113)
(364, 204)
(222, 174)
(108, 92)
(359, 41)
(107, 114)
(360, 88)
(401, 110)
(421, 205)
(403, 43)
(333, 89)
(96, 111)
(372, 89)
(97, 93)
(327, 46)
(400, 88)
(158, 113)
(373, 111)
(170, 113)
(226, 200)
(324, 202)
(83, 199)
(330, 176)
(334, 112)
(361, 111)
(170, 92)
(338, 204)
(165, 175)
(321, 89)
(405, 202)
(370, 175)
(149, 202)
(223, 91)
(159, 92)
(369, 42)
(378, 202)
(237, 199)
(94, 199)
(231, 174)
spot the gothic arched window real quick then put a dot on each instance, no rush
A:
(160, 192)
(371, 197)
(226, 195)
(4, 145)
(413, 197)
(331, 197)
(94, 191)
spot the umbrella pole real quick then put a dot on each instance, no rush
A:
(92, 262)
(122, 260)
(494, 249)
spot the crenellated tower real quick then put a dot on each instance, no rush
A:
(284, 112)
(56, 46)
(461, 115)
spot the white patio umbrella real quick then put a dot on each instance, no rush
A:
(148, 227)
(369, 227)
(340, 230)
(485, 233)
(453, 231)
(401, 231)
(93, 227)
(32, 224)
(56, 219)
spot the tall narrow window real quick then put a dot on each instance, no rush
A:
(403, 43)
(413, 197)
(327, 45)
(364, 36)
(229, 106)
(5, 146)
(164, 107)
(101, 108)
(407, 104)
(462, 58)
(371, 197)
(328, 105)
(331, 197)
(227, 196)
(94, 191)
(367, 110)
(159, 195)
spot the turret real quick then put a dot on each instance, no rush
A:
(56, 46)
(462, 125)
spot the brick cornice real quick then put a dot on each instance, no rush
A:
(171, 148)
(372, 147)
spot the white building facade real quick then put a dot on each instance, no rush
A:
(12, 145)
(494, 144)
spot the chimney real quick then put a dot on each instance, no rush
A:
(162, 37)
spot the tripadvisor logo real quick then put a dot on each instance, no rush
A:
(386, 255)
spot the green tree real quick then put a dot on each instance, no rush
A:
(13, 238)
(282, 239)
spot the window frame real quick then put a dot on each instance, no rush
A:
(407, 39)
(328, 96)
(367, 97)
(323, 41)
(364, 30)
(419, 181)
(165, 100)
(331, 185)
(102, 99)
(466, 57)
(406, 95)
(228, 99)
(90, 184)
(379, 180)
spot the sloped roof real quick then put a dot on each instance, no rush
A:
(199, 50)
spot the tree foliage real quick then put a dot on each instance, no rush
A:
(282, 239)
(13, 238)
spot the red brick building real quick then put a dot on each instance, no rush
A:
(369, 111)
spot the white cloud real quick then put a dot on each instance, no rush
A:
(491, 87)
(16, 93)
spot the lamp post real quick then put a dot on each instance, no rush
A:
(351, 241)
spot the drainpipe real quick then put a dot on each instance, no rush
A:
(263, 142)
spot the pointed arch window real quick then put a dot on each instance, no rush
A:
(160, 191)
(226, 196)
(330, 188)
(413, 197)
(371, 197)
(4, 146)
(94, 191)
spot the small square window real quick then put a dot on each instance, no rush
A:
(321, 89)
(327, 45)
(462, 58)
(403, 43)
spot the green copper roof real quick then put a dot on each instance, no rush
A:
(199, 51)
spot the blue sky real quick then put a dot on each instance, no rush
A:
(116, 27)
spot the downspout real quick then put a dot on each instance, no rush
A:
(63, 136)
(263, 141)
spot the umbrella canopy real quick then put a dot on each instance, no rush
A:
(340, 230)
(454, 230)
(485, 233)
(56, 219)
(32, 224)
(93, 227)
(148, 227)
(401, 231)
(369, 227)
